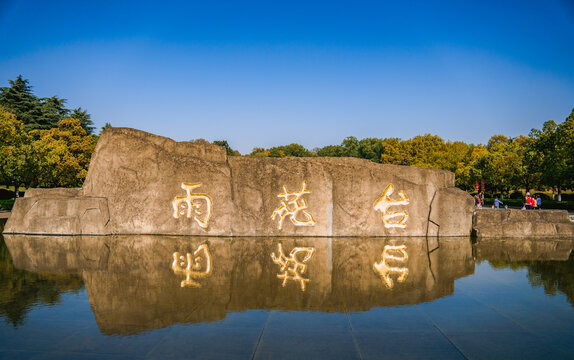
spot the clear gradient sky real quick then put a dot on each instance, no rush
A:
(261, 74)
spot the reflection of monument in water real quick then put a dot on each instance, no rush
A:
(509, 249)
(550, 263)
(21, 290)
(136, 283)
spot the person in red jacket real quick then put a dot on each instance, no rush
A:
(478, 200)
(528, 201)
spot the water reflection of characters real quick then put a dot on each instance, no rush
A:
(191, 265)
(397, 254)
(292, 267)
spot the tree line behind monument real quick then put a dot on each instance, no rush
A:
(44, 144)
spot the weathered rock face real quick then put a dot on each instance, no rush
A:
(508, 223)
(139, 183)
(133, 285)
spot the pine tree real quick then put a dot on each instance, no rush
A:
(85, 119)
(19, 99)
(52, 110)
(38, 113)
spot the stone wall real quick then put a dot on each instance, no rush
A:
(511, 223)
(139, 183)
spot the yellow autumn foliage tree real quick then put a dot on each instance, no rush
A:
(63, 154)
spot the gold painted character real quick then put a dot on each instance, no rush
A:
(291, 267)
(191, 266)
(190, 204)
(384, 202)
(397, 254)
(290, 206)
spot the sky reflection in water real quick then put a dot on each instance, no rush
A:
(229, 297)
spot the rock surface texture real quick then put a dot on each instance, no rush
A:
(508, 223)
(140, 183)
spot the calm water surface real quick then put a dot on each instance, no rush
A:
(118, 297)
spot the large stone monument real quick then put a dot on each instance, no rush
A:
(139, 183)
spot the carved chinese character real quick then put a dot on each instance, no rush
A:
(385, 201)
(190, 205)
(193, 266)
(291, 206)
(291, 267)
(396, 254)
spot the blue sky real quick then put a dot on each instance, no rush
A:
(261, 74)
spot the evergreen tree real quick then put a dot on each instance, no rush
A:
(19, 100)
(52, 110)
(38, 113)
(106, 126)
(228, 149)
(85, 119)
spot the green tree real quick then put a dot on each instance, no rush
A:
(290, 150)
(19, 100)
(457, 158)
(17, 161)
(228, 149)
(371, 149)
(368, 148)
(331, 150)
(38, 113)
(351, 146)
(106, 126)
(282, 151)
(547, 146)
(85, 119)
(52, 110)
(565, 147)
(500, 165)
(526, 175)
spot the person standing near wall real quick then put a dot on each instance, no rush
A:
(477, 201)
(538, 202)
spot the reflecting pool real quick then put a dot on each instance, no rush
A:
(274, 298)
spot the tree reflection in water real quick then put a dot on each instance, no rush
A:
(21, 290)
(555, 276)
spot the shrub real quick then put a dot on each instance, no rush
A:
(6, 204)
